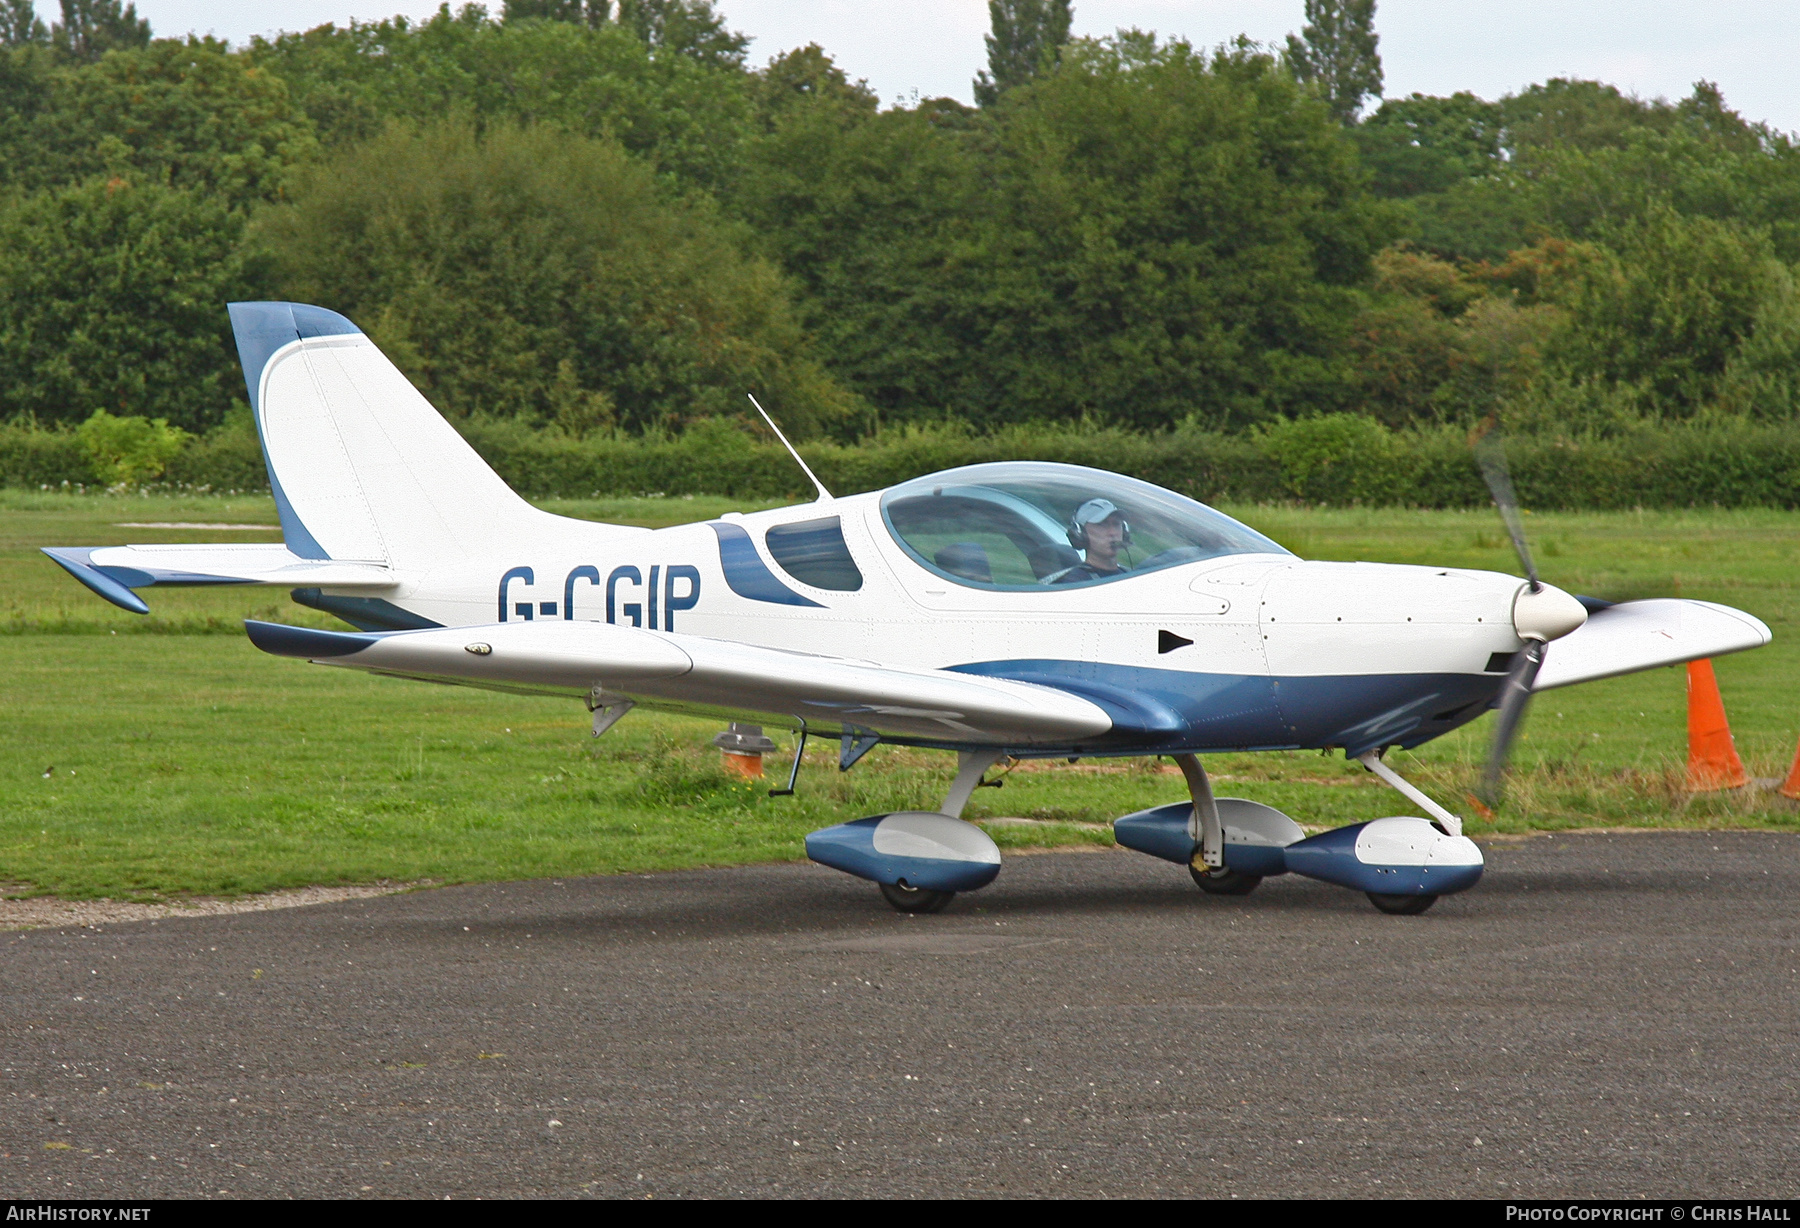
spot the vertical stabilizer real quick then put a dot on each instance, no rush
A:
(362, 467)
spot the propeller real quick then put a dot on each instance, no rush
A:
(1490, 455)
(1515, 692)
(1515, 697)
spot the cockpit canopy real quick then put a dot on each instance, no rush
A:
(1008, 525)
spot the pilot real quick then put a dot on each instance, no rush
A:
(1099, 529)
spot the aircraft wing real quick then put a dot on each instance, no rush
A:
(694, 673)
(113, 571)
(1638, 635)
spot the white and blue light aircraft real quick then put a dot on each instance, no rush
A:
(1023, 610)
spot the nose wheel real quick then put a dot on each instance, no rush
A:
(1401, 905)
(915, 899)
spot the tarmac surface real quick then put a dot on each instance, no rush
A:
(1604, 1015)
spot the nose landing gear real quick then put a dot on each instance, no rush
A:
(1402, 863)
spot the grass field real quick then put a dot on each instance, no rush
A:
(163, 755)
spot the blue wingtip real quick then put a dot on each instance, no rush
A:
(304, 642)
(74, 560)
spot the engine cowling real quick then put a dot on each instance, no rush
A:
(911, 848)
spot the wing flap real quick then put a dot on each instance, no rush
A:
(581, 658)
(1640, 635)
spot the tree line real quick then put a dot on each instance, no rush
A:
(597, 218)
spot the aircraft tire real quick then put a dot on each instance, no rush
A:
(1222, 881)
(915, 899)
(1401, 905)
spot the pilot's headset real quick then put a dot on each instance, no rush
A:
(1093, 512)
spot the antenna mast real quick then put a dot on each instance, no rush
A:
(824, 495)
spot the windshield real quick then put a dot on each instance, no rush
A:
(1036, 525)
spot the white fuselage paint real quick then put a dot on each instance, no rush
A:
(1255, 615)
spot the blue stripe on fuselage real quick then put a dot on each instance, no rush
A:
(1165, 710)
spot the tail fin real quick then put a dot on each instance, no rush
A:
(362, 467)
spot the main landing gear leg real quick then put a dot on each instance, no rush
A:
(971, 766)
(1208, 864)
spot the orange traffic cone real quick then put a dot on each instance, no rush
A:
(1713, 761)
(1791, 786)
(742, 748)
(745, 767)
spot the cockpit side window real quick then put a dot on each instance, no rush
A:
(970, 538)
(1035, 525)
(814, 552)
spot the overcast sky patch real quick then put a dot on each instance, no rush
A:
(934, 47)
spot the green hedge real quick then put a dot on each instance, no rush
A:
(720, 460)
(224, 460)
(1335, 460)
(33, 458)
(1339, 460)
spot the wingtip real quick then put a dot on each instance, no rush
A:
(1756, 625)
(75, 561)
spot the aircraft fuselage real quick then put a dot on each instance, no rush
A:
(1259, 651)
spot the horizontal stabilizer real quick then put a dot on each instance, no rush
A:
(1639, 635)
(698, 674)
(113, 571)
